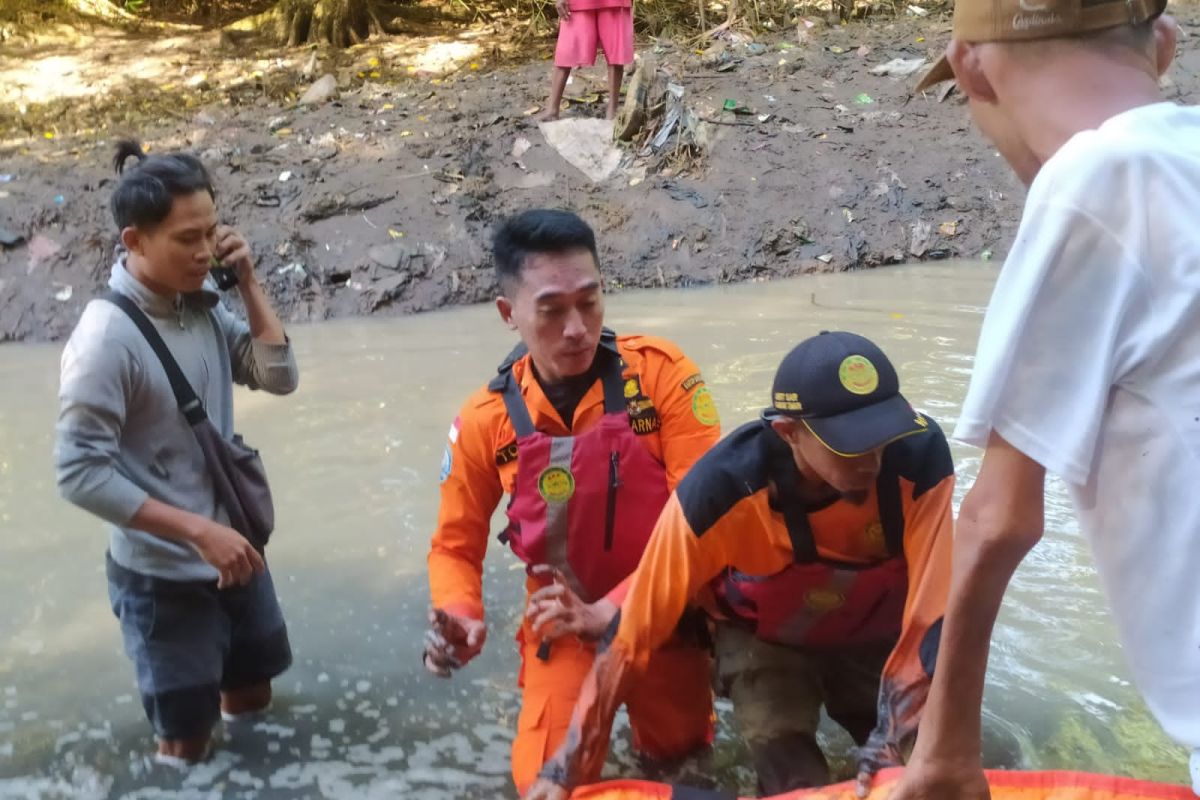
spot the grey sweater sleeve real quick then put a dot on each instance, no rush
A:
(98, 378)
(257, 365)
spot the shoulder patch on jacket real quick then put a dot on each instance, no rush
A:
(923, 459)
(736, 468)
(506, 454)
(643, 416)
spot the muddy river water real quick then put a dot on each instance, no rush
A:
(354, 458)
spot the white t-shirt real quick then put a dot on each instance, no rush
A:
(1089, 363)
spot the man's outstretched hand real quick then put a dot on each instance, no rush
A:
(451, 642)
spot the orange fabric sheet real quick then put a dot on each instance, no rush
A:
(1005, 786)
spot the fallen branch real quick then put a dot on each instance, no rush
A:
(724, 26)
(328, 207)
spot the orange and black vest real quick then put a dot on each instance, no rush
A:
(814, 602)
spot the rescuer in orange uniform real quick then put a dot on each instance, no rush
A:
(588, 433)
(818, 538)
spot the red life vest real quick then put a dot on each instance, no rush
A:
(587, 503)
(815, 603)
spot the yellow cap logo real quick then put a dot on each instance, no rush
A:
(788, 401)
(556, 485)
(858, 375)
(823, 601)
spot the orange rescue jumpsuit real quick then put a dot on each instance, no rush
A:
(671, 410)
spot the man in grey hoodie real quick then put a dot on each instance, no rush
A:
(198, 611)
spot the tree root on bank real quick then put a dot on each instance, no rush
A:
(296, 22)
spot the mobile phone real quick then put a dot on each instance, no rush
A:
(225, 277)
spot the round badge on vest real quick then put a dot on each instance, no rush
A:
(823, 601)
(556, 485)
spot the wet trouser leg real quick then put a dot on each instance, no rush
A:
(549, 691)
(670, 707)
(777, 694)
(850, 685)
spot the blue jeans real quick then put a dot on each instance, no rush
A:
(190, 641)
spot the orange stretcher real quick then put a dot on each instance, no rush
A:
(1005, 785)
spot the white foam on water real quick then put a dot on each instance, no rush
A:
(241, 777)
(338, 780)
(84, 783)
(204, 774)
(99, 734)
(429, 753)
(363, 754)
(363, 687)
(1094, 703)
(302, 775)
(337, 726)
(487, 731)
(159, 793)
(66, 740)
(433, 794)
(453, 778)
(275, 730)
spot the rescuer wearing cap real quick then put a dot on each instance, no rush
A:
(818, 540)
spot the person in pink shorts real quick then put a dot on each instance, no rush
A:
(584, 24)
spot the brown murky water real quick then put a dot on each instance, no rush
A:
(354, 457)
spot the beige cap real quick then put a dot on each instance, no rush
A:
(1022, 20)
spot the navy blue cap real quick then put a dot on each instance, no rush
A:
(846, 392)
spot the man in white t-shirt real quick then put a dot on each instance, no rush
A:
(1089, 359)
